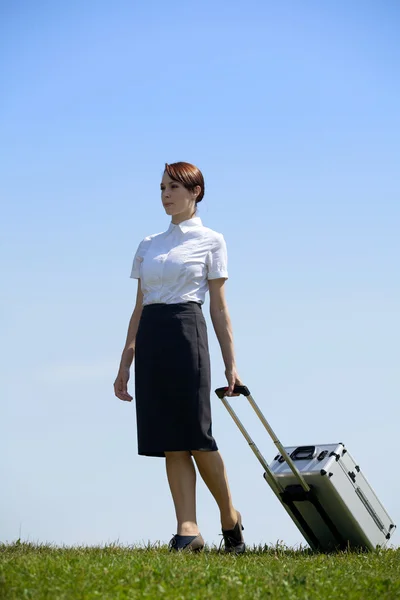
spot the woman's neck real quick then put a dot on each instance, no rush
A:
(176, 219)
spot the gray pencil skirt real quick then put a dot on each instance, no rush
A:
(172, 380)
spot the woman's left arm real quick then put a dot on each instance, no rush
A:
(223, 329)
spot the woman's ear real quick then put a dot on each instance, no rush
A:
(197, 191)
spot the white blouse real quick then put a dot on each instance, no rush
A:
(175, 266)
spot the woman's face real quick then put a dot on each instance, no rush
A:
(176, 199)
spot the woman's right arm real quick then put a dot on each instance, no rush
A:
(128, 353)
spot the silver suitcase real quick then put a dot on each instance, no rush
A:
(323, 490)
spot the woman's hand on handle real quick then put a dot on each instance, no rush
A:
(121, 385)
(233, 379)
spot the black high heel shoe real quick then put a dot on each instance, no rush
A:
(187, 543)
(233, 538)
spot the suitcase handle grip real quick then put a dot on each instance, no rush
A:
(238, 389)
(304, 453)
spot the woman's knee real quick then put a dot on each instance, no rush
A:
(177, 456)
(207, 454)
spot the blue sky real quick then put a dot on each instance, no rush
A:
(291, 112)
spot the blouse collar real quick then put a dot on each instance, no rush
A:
(186, 225)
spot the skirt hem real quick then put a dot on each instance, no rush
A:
(161, 454)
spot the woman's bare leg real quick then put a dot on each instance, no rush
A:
(212, 470)
(182, 482)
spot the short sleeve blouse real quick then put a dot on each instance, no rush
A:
(176, 265)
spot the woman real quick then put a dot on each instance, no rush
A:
(167, 336)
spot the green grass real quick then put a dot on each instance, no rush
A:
(114, 572)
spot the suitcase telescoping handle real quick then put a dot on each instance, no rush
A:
(242, 389)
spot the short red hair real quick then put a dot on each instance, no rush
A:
(188, 175)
